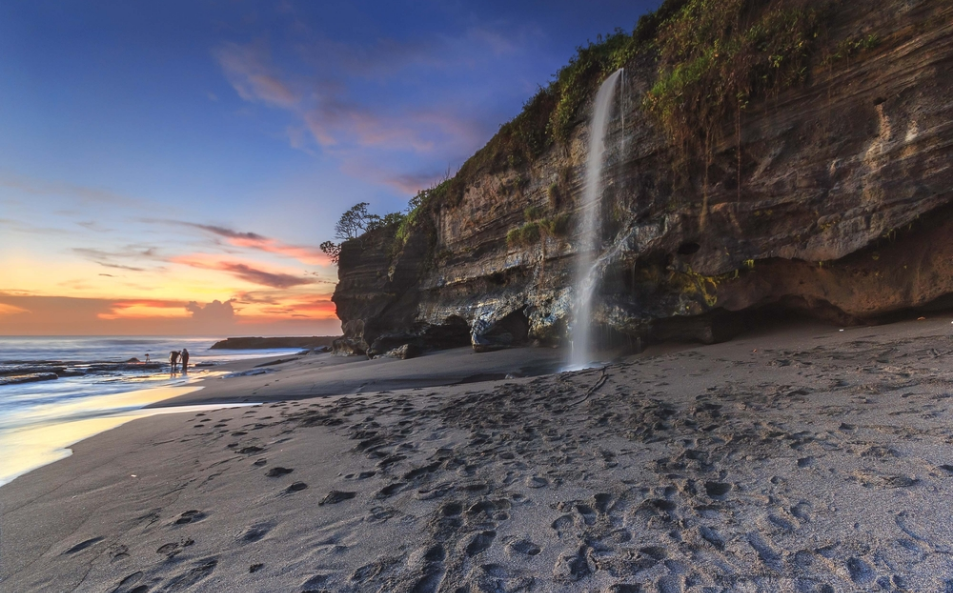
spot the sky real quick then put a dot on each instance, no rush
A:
(170, 167)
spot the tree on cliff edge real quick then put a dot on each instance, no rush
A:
(353, 224)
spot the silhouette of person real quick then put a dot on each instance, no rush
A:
(173, 359)
(147, 358)
(185, 359)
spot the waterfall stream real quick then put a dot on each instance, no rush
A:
(584, 280)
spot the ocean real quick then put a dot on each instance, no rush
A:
(96, 389)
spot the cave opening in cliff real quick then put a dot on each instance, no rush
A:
(454, 332)
(688, 248)
(511, 330)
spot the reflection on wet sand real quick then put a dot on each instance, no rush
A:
(42, 435)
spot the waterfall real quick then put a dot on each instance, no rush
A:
(584, 280)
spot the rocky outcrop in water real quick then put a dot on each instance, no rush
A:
(840, 206)
(28, 378)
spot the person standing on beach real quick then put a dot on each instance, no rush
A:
(173, 359)
(185, 359)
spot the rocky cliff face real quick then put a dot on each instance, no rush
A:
(833, 198)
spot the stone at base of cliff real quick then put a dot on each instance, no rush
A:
(349, 347)
(384, 344)
(404, 352)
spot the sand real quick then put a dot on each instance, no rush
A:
(810, 460)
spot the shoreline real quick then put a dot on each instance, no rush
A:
(784, 461)
(89, 395)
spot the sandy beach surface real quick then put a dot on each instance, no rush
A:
(805, 460)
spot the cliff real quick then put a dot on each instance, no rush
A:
(830, 194)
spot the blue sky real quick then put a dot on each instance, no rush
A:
(142, 144)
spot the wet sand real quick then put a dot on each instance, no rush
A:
(806, 460)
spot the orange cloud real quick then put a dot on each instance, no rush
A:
(323, 308)
(243, 271)
(11, 310)
(144, 309)
(286, 306)
(58, 315)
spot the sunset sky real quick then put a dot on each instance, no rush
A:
(169, 168)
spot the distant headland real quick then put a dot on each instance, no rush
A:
(259, 343)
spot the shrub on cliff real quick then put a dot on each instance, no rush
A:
(354, 223)
(716, 57)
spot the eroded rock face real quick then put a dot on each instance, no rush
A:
(844, 210)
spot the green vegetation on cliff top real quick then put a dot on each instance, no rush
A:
(714, 57)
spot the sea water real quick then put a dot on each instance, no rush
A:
(39, 421)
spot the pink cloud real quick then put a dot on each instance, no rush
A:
(244, 271)
(410, 184)
(304, 254)
(343, 123)
(333, 122)
(248, 70)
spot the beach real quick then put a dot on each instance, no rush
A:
(807, 458)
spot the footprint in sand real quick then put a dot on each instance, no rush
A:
(83, 545)
(451, 509)
(171, 549)
(390, 489)
(366, 572)
(128, 584)
(336, 496)
(192, 516)
(625, 588)
(277, 472)
(536, 482)
(316, 583)
(523, 547)
(480, 543)
(860, 572)
(257, 532)
(431, 579)
(296, 487)
(573, 566)
(563, 525)
(802, 511)
(717, 490)
(711, 536)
